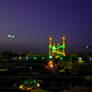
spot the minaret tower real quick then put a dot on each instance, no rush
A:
(50, 45)
(63, 38)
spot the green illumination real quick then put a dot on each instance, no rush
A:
(61, 53)
(58, 47)
(50, 57)
(53, 48)
(51, 66)
(61, 58)
(50, 46)
(25, 83)
(34, 81)
(35, 58)
(30, 67)
(88, 78)
(3, 69)
(43, 58)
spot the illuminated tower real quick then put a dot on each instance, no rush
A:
(56, 50)
(63, 38)
(53, 49)
(50, 45)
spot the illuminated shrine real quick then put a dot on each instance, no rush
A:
(56, 50)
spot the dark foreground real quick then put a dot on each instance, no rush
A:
(51, 81)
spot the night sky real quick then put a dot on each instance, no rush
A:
(33, 21)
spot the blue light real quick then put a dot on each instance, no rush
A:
(27, 58)
(14, 58)
(87, 46)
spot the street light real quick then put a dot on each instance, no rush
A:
(11, 37)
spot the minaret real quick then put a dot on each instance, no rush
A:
(54, 49)
(63, 38)
(50, 44)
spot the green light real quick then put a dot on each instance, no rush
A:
(58, 47)
(43, 58)
(88, 78)
(51, 65)
(35, 58)
(30, 67)
(25, 82)
(50, 46)
(61, 53)
(80, 60)
(34, 81)
(50, 57)
(53, 48)
(61, 58)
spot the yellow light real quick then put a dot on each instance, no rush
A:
(50, 38)
(21, 87)
(38, 85)
(53, 44)
(80, 60)
(20, 57)
(29, 89)
(50, 63)
(57, 57)
(62, 70)
(53, 51)
(64, 54)
(51, 66)
(63, 38)
(50, 44)
(58, 44)
(58, 52)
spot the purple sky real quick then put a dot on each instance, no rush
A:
(33, 21)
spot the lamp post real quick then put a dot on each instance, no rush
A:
(11, 37)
